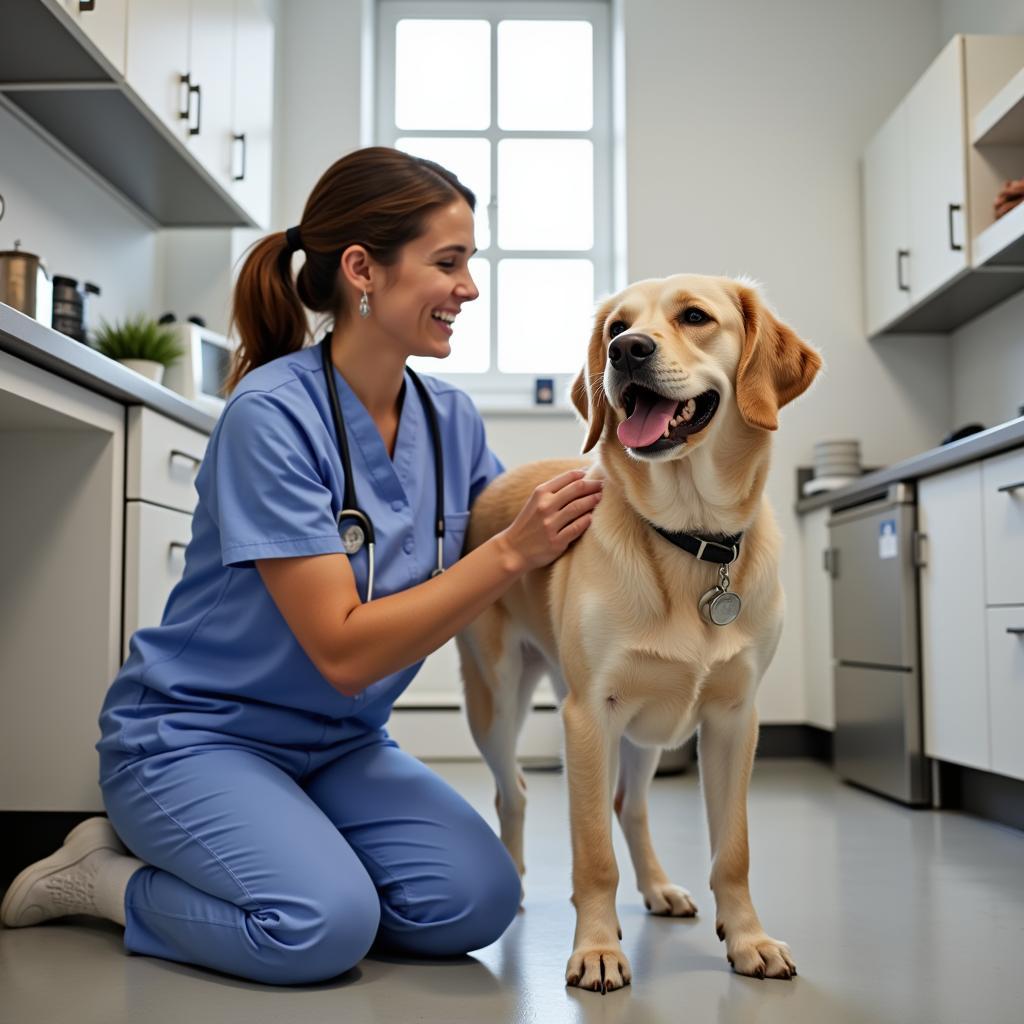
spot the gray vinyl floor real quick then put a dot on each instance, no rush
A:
(893, 915)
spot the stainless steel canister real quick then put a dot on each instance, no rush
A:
(25, 284)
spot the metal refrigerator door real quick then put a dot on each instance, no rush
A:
(877, 740)
(874, 588)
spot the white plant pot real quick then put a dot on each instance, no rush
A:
(147, 367)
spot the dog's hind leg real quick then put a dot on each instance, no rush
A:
(498, 690)
(637, 766)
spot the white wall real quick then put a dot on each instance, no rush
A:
(79, 228)
(988, 354)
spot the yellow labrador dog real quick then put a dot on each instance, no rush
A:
(638, 622)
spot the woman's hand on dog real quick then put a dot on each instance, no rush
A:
(556, 513)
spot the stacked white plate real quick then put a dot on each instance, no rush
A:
(835, 463)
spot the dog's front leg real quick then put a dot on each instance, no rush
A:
(597, 960)
(728, 738)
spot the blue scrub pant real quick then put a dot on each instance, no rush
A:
(281, 877)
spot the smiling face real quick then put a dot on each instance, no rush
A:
(420, 297)
(672, 351)
(667, 356)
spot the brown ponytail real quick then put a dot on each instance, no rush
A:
(377, 197)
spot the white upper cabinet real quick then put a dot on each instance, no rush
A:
(887, 222)
(937, 185)
(105, 22)
(211, 42)
(206, 67)
(252, 109)
(928, 188)
(156, 63)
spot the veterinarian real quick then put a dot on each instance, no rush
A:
(276, 831)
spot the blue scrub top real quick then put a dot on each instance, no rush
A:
(223, 664)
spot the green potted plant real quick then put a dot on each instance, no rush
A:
(141, 344)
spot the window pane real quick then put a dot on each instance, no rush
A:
(470, 161)
(545, 308)
(442, 74)
(471, 346)
(545, 76)
(545, 194)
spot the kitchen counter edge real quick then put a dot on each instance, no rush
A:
(26, 338)
(997, 439)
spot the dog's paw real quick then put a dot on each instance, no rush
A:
(760, 956)
(599, 968)
(668, 900)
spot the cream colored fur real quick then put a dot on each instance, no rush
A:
(615, 619)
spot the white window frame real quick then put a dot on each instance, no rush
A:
(496, 387)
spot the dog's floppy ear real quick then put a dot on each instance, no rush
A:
(775, 365)
(587, 388)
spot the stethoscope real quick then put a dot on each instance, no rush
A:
(360, 528)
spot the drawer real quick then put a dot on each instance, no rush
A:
(155, 541)
(1003, 490)
(1006, 689)
(163, 459)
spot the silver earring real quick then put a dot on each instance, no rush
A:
(364, 306)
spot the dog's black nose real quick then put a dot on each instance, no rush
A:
(630, 351)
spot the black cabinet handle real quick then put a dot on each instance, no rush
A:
(900, 255)
(953, 207)
(1011, 487)
(245, 148)
(1015, 630)
(198, 90)
(177, 453)
(186, 80)
(86, 5)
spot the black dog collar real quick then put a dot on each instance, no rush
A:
(719, 547)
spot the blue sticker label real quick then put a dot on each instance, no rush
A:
(888, 543)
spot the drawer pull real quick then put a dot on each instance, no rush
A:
(1011, 487)
(1015, 630)
(177, 545)
(177, 452)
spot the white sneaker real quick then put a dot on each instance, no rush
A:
(66, 881)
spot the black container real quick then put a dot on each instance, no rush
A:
(69, 306)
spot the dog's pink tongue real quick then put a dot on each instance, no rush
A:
(648, 421)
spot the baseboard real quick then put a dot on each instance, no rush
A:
(993, 797)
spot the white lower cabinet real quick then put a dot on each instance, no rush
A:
(952, 592)
(817, 619)
(155, 542)
(1006, 688)
(972, 615)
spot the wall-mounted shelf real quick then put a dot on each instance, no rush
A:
(54, 77)
(1001, 244)
(1001, 120)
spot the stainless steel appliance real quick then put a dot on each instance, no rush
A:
(25, 284)
(873, 561)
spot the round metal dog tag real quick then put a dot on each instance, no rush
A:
(723, 609)
(720, 607)
(352, 539)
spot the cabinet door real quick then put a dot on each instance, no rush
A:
(105, 23)
(155, 542)
(1006, 688)
(253, 117)
(938, 176)
(817, 620)
(886, 223)
(211, 39)
(156, 57)
(952, 582)
(1003, 486)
